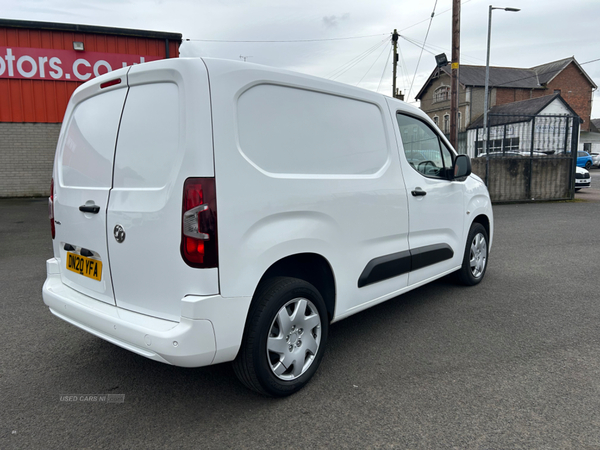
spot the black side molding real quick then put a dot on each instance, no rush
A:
(430, 255)
(396, 264)
(385, 267)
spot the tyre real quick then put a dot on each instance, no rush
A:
(577, 189)
(475, 258)
(284, 339)
(588, 165)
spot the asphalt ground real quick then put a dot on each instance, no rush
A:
(511, 363)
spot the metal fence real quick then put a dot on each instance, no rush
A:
(527, 158)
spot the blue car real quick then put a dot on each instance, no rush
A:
(584, 159)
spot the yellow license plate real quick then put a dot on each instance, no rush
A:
(82, 265)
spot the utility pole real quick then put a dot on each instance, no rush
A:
(395, 93)
(454, 86)
(395, 61)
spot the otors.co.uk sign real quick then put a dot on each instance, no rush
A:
(68, 65)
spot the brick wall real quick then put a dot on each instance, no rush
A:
(576, 91)
(26, 158)
(574, 88)
(510, 95)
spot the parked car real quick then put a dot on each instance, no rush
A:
(582, 178)
(584, 159)
(511, 154)
(499, 155)
(243, 209)
(595, 159)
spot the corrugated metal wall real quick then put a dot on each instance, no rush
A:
(45, 101)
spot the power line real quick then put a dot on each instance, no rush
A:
(372, 50)
(425, 20)
(425, 47)
(403, 67)
(587, 62)
(387, 60)
(284, 41)
(266, 41)
(354, 61)
(421, 54)
(438, 48)
(369, 69)
(413, 42)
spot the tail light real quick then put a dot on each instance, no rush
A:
(199, 223)
(51, 209)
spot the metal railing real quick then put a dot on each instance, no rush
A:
(529, 158)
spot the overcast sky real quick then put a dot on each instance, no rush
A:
(349, 41)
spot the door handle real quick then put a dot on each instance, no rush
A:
(418, 192)
(94, 209)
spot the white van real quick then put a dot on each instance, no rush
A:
(206, 211)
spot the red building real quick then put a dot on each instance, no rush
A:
(41, 64)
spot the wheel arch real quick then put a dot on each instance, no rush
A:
(484, 221)
(310, 267)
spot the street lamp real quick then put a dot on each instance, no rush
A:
(487, 75)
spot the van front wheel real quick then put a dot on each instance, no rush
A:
(476, 256)
(284, 339)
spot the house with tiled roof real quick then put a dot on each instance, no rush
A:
(507, 85)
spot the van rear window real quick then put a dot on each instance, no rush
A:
(148, 148)
(88, 147)
(287, 130)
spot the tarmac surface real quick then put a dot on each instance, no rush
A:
(511, 363)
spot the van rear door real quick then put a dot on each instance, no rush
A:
(165, 137)
(83, 178)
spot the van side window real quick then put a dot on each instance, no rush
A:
(288, 130)
(447, 155)
(423, 148)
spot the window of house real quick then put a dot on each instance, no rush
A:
(478, 147)
(494, 145)
(441, 94)
(459, 117)
(436, 120)
(511, 144)
(447, 123)
(423, 148)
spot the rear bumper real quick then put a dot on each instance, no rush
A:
(209, 332)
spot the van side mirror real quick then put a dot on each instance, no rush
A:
(462, 166)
